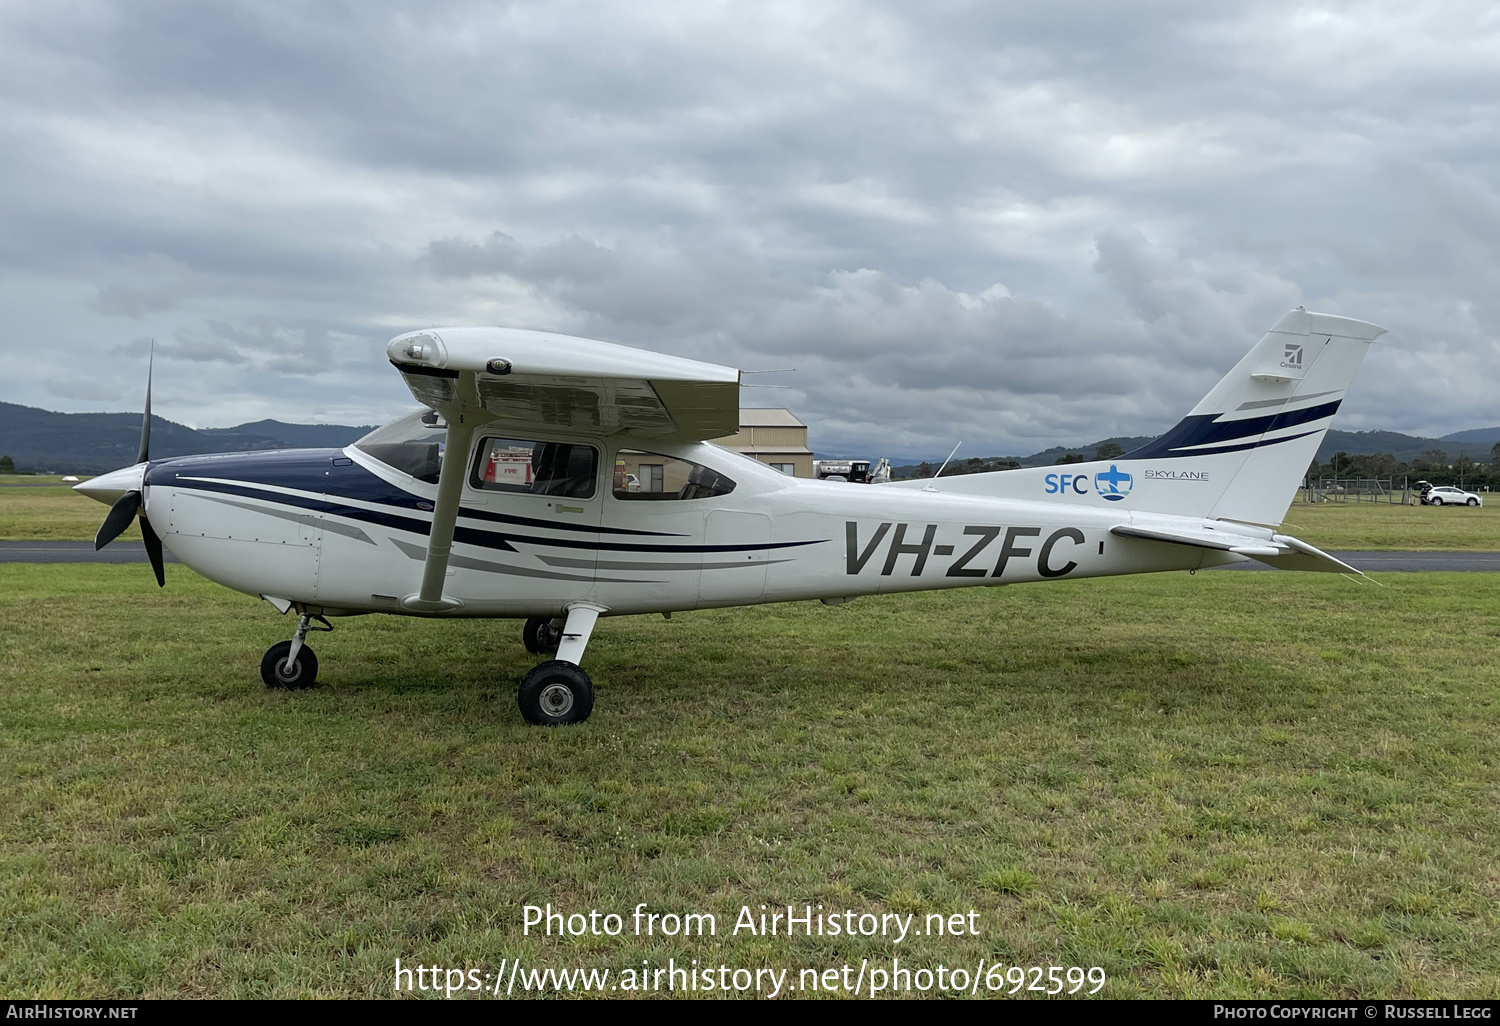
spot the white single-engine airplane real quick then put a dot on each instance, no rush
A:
(561, 479)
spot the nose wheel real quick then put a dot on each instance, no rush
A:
(291, 665)
(303, 672)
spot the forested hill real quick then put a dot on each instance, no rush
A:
(92, 443)
(1475, 444)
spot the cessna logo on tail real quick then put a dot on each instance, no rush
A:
(1292, 357)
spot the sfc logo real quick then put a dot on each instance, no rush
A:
(1113, 484)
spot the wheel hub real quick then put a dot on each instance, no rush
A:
(556, 699)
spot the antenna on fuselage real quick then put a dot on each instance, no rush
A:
(944, 467)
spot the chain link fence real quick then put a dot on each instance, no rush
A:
(1358, 489)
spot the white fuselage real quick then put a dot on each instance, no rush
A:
(340, 532)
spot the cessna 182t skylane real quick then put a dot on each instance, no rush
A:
(561, 479)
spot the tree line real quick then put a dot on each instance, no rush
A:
(1434, 465)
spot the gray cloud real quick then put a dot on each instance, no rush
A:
(85, 389)
(1031, 224)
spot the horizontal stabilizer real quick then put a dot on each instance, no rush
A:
(1308, 557)
(1279, 550)
(1203, 538)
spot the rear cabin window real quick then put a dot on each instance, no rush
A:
(539, 468)
(649, 476)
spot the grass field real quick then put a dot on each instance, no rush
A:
(59, 513)
(1220, 785)
(1373, 525)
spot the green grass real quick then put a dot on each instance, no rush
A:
(1223, 785)
(52, 514)
(1371, 525)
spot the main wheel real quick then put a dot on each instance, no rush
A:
(540, 637)
(273, 670)
(555, 693)
(1473, 502)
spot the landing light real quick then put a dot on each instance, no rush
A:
(423, 347)
(498, 366)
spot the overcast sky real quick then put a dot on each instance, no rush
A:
(1016, 224)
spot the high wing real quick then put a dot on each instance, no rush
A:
(474, 376)
(540, 377)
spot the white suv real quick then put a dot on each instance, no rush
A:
(1447, 495)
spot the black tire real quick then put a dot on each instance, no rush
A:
(1434, 502)
(540, 637)
(555, 693)
(1473, 502)
(273, 668)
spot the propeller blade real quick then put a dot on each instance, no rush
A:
(153, 552)
(145, 453)
(119, 517)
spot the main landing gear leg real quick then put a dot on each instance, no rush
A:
(558, 691)
(291, 665)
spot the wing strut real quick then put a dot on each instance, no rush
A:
(464, 415)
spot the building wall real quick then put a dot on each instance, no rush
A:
(803, 461)
(793, 439)
(748, 436)
(789, 436)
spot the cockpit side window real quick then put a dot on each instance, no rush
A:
(412, 445)
(567, 469)
(650, 476)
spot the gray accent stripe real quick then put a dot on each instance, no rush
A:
(607, 564)
(346, 530)
(486, 566)
(1261, 404)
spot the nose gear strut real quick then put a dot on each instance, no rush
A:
(292, 665)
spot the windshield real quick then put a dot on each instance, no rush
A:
(413, 445)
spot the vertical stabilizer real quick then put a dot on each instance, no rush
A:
(1262, 424)
(1239, 455)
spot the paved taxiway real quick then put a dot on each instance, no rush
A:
(74, 552)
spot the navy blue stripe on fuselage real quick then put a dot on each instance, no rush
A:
(313, 470)
(1206, 430)
(395, 522)
(505, 518)
(467, 535)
